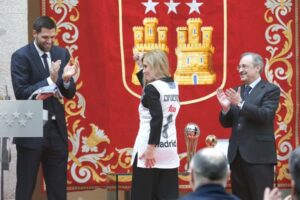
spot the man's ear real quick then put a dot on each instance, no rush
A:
(228, 173)
(227, 177)
(34, 33)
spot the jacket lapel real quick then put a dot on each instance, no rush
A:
(256, 90)
(37, 61)
(53, 55)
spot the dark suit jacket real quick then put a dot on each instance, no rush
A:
(28, 74)
(209, 192)
(253, 125)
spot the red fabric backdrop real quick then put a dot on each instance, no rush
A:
(103, 117)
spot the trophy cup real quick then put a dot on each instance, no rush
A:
(211, 141)
(191, 133)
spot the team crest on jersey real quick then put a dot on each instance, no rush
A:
(194, 39)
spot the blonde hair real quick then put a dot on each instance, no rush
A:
(158, 61)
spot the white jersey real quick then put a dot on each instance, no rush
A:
(166, 154)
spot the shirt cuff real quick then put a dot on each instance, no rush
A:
(50, 82)
(240, 105)
(225, 112)
(66, 84)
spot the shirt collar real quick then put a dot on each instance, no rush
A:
(40, 52)
(254, 83)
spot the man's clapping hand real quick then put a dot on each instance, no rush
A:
(55, 66)
(70, 70)
(223, 99)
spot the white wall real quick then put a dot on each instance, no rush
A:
(13, 35)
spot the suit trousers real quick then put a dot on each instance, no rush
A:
(250, 180)
(153, 183)
(53, 156)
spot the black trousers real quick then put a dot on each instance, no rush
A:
(250, 180)
(154, 184)
(53, 157)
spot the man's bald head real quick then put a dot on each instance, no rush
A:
(209, 165)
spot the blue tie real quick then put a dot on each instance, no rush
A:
(246, 91)
(45, 56)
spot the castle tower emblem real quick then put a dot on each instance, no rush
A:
(194, 54)
(148, 37)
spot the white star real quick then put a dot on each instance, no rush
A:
(22, 122)
(29, 115)
(9, 122)
(150, 6)
(194, 6)
(172, 6)
(4, 115)
(16, 115)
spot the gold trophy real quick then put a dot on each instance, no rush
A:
(211, 141)
(191, 133)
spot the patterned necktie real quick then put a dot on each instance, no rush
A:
(45, 56)
(246, 91)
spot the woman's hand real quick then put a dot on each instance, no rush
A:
(137, 57)
(148, 155)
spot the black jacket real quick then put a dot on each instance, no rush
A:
(253, 125)
(28, 74)
(209, 192)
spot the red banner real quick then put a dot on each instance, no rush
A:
(203, 39)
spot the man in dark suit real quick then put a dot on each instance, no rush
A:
(250, 111)
(33, 66)
(209, 170)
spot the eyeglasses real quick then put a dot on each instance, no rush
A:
(243, 66)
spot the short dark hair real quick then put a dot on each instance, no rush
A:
(294, 166)
(43, 22)
(210, 164)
